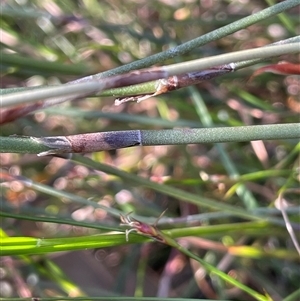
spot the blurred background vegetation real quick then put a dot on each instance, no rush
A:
(52, 42)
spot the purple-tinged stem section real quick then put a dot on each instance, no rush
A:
(92, 142)
(176, 82)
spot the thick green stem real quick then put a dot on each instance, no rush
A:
(221, 134)
(121, 139)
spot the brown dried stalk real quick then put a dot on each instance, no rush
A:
(176, 82)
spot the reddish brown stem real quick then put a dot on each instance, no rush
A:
(176, 82)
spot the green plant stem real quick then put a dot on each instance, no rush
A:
(31, 245)
(293, 297)
(250, 54)
(220, 134)
(34, 95)
(55, 220)
(285, 19)
(20, 144)
(144, 88)
(14, 60)
(245, 194)
(202, 40)
(211, 269)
